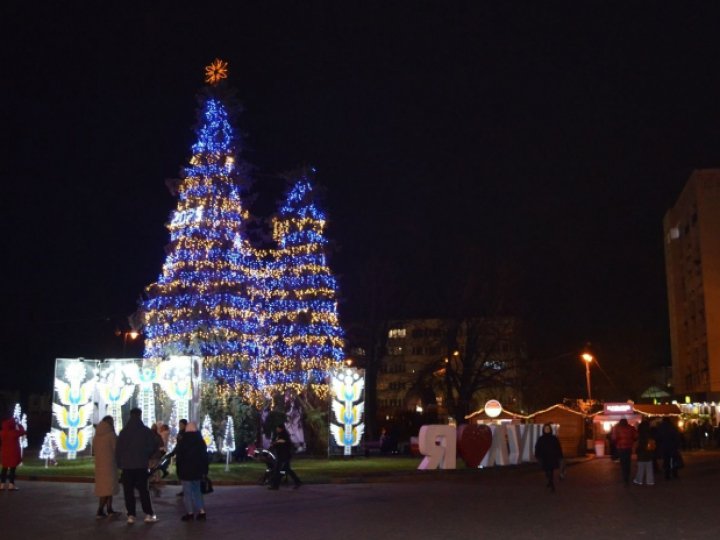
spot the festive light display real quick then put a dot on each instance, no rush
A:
(115, 385)
(207, 434)
(347, 393)
(145, 377)
(204, 300)
(74, 412)
(175, 378)
(264, 321)
(21, 418)
(216, 71)
(303, 339)
(228, 446)
(47, 450)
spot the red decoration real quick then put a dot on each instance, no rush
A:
(474, 441)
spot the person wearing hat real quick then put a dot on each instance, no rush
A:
(192, 464)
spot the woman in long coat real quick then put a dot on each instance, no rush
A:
(549, 453)
(11, 455)
(106, 470)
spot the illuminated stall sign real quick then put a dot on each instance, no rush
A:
(619, 408)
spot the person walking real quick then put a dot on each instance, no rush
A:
(625, 436)
(135, 444)
(192, 463)
(106, 469)
(645, 453)
(668, 439)
(549, 453)
(11, 453)
(282, 446)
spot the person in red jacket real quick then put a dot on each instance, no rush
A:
(625, 436)
(11, 455)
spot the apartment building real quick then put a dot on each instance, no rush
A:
(692, 266)
(418, 352)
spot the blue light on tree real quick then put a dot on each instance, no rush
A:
(304, 339)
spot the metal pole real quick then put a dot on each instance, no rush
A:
(587, 379)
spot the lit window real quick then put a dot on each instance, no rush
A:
(397, 333)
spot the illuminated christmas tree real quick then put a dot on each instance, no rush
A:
(47, 450)
(207, 434)
(21, 419)
(228, 445)
(203, 302)
(303, 336)
(265, 322)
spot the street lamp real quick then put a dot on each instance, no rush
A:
(588, 358)
(132, 335)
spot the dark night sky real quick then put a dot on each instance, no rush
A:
(548, 138)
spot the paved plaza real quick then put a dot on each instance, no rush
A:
(509, 502)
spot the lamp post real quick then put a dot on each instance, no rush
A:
(588, 359)
(132, 335)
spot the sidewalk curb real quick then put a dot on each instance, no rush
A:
(371, 477)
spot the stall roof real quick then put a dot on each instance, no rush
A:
(557, 406)
(657, 410)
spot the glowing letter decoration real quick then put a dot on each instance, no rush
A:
(438, 444)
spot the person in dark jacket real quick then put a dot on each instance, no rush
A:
(135, 444)
(549, 453)
(645, 452)
(282, 448)
(668, 440)
(192, 463)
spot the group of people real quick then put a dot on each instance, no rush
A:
(137, 452)
(650, 443)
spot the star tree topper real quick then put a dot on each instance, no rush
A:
(216, 71)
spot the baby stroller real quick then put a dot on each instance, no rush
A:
(162, 465)
(267, 457)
